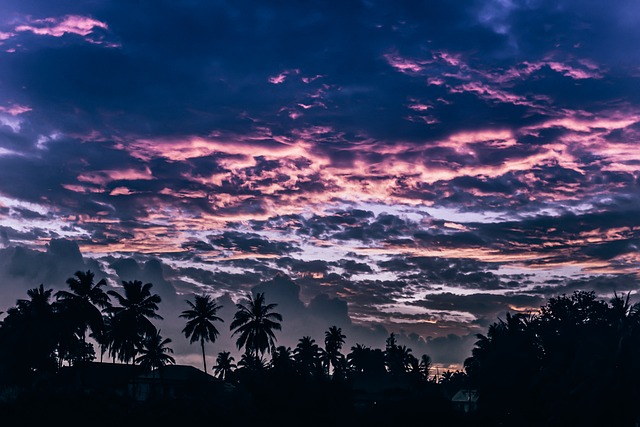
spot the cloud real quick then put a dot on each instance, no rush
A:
(377, 153)
(57, 27)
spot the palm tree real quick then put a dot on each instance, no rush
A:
(308, 356)
(131, 322)
(38, 303)
(425, 366)
(103, 335)
(282, 360)
(365, 360)
(84, 302)
(31, 334)
(200, 325)
(251, 362)
(224, 365)
(333, 342)
(154, 352)
(395, 355)
(255, 322)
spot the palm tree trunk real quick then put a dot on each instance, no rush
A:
(204, 361)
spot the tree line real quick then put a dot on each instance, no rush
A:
(41, 334)
(573, 361)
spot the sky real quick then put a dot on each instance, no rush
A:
(415, 167)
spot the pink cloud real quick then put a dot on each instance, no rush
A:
(57, 27)
(419, 107)
(280, 78)
(448, 58)
(405, 65)
(15, 109)
(574, 73)
(586, 70)
(106, 176)
(488, 92)
(311, 79)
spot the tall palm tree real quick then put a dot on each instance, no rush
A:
(84, 302)
(333, 341)
(154, 352)
(224, 365)
(131, 322)
(255, 322)
(200, 325)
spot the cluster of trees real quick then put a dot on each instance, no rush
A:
(574, 362)
(46, 331)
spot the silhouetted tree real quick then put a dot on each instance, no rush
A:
(224, 365)
(104, 334)
(366, 360)
(333, 341)
(394, 356)
(425, 366)
(255, 322)
(282, 361)
(507, 358)
(453, 381)
(200, 325)
(84, 302)
(131, 322)
(251, 362)
(30, 336)
(308, 357)
(154, 352)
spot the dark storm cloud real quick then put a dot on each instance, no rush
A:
(249, 242)
(301, 266)
(485, 307)
(569, 236)
(604, 285)
(465, 273)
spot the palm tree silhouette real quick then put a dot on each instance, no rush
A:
(333, 341)
(282, 360)
(255, 322)
(307, 355)
(131, 322)
(200, 325)
(224, 365)
(103, 335)
(38, 302)
(251, 362)
(33, 332)
(425, 366)
(154, 352)
(84, 302)
(366, 360)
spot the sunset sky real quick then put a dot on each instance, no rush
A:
(417, 167)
